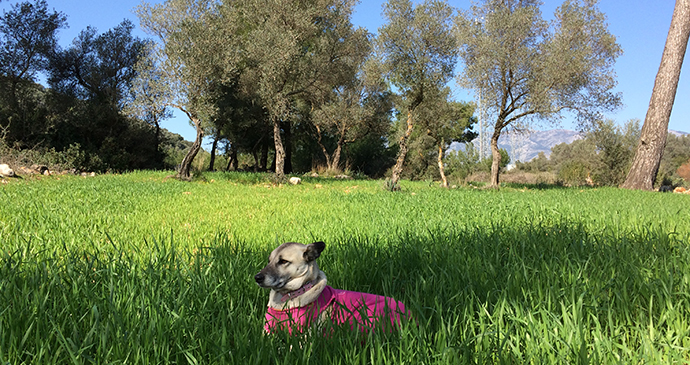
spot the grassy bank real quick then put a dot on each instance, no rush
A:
(137, 268)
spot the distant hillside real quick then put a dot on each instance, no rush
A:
(524, 147)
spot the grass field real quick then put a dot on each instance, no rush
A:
(139, 269)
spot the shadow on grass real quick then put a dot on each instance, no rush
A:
(540, 186)
(536, 294)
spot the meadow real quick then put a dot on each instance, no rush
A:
(141, 269)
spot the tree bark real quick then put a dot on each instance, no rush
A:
(157, 141)
(441, 169)
(287, 129)
(229, 153)
(495, 159)
(232, 161)
(213, 152)
(650, 148)
(323, 148)
(404, 147)
(264, 155)
(335, 163)
(280, 151)
(186, 166)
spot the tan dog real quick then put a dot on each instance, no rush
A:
(300, 298)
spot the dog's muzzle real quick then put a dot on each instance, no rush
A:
(260, 277)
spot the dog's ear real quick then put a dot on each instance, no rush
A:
(314, 250)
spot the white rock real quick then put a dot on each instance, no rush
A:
(5, 170)
(295, 180)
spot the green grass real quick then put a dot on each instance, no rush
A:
(139, 269)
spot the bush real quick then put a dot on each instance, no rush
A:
(573, 173)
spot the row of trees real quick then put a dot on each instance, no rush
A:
(286, 65)
(252, 71)
(277, 77)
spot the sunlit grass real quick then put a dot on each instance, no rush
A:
(138, 268)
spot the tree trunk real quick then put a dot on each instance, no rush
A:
(233, 158)
(264, 155)
(280, 152)
(213, 152)
(404, 147)
(157, 141)
(495, 159)
(323, 148)
(441, 169)
(650, 148)
(287, 129)
(255, 154)
(229, 153)
(335, 163)
(186, 166)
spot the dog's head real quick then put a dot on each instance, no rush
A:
(290, 266)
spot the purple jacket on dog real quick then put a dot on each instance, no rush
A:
(357, 309)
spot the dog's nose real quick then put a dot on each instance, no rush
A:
(259, 278)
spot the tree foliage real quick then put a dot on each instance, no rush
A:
(418, 52)
(528, 69)
(359, 107)
(441, 122)
(295, 51)
(601, 157)
(28, 36)
(189, 76)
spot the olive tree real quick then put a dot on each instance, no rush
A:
(358, 107)
(292, 51)
(529, 70)
(418, 52)
(194, 55)
(446, 121)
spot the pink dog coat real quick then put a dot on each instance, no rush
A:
(357, 309)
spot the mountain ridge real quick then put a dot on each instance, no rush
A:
(525, 146)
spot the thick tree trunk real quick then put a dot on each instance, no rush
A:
(495, 159)
(280, 151)
(287, 129)
(402, 153)
(264, 155)
(323, 148)
(232, 162)
(441, 169)
(213, 152)
(229, 153)
(186, 166)
(335, 164)
(650, 148)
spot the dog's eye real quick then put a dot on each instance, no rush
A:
(282, 262)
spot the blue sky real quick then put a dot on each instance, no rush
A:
(640, 26)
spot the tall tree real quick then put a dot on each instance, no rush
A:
(446, 122)
(293, 49)
(650, 148)
(359, 107)
(99, 67)
(527, 70)
(145, 96)
(28, 36)
(419, 52)
(194, 56)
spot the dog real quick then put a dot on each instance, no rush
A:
(301, 299)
